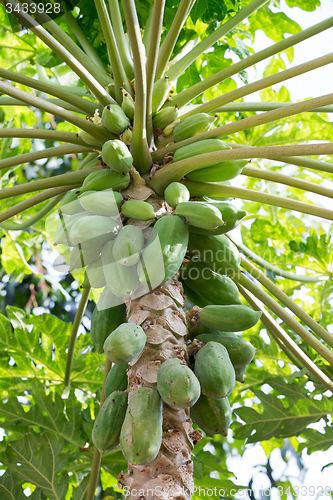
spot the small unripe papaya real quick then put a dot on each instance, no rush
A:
(213, 416)
(82, 257)
(116, 379)
(164, 117)
(121, 280)
(117, 156)
(193, 125)
(214, 288)
(125, 343)
(141, 433)
(70, 205)
(101, 202)
(176, 193)
(161, 91)
(104, 321)
(231, 216)
(126, 136)
(109, 421)
(218, 252)
(105, 179)
(115, 119)
(223, 171)
(128, 245)
(94, 275)
(199, 148)
(63, 230)
(89, 139)
(94, 230)
(177, 384)
(232, 318)
(137, 209)
(241, 352)
(200, 214)
(164, 251)
(214, 370)
(128, 105)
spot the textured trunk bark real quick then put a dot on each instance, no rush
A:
(170, 475)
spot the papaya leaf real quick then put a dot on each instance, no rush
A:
(38, 345)
(278, 417)
(317, 441)
(38, 461)
(11, 490)
(79, 493)
(48, 412)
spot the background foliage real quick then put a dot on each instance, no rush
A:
(46, 449)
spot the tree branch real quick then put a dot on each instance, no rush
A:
(175, 171)
(195, 90)
(139, 144)
(286, 301)
(72, 339)
(286, 317)
(98, 132)
(274, 328)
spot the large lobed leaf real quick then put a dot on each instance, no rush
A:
(280, 418)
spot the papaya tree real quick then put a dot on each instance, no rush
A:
(126, 122)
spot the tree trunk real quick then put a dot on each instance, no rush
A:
(170, 475)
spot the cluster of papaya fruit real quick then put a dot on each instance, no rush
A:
(217, 356)
(129, 261)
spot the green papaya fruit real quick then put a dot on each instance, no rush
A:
(116, 155)
(161, 91)
(213, 416)
(115, 119)
(177, 384)
(109, 421)
(141, 433)
(231, 318)
(116, 379)
(239, 371)
(199, 329)
(223, 171)
(199, 148)
(164, 251)
(128, 245)
(214, 370)
(94, 162)
(176, 193)
(193, 297)
(126, 136)
(125, 343)
(164, 117)
(94, 275)
(63, 230)
(200, 214)
(231, 216)
(214, 288)
(218, 252)
(89, 139)
(82, 257)
(193, 125)
(128, 105)
(101, 202)
(104, 322)
(137, 209)
(121, 280)
(241, 352)
(93, 230)
(70, 205)
(105, 179)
